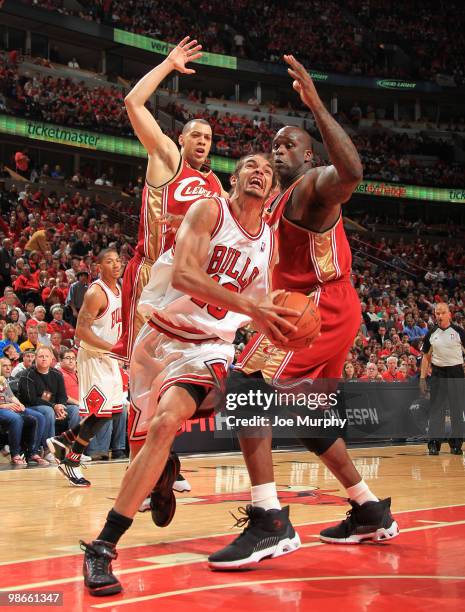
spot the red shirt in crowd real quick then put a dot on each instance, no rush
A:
(66, 330)
(71, 383)
(23, 283)
(397, 377)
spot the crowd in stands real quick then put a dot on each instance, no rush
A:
(399, 284)
(325, 36)
(432, 30)
(386, 155)
(390, 156)
(47, 260)
(64, 101)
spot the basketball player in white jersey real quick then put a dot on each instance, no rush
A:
(213, 281)
(100, 385)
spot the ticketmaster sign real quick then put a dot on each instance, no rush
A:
(48, 132)
(163, 48)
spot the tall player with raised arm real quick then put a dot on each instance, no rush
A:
(175, 179)
(314, 258)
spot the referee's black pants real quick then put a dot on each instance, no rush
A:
(447, 386)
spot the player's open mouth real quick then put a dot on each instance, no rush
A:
(200, 151)
(256, 182)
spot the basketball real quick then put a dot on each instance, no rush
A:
(308, 322)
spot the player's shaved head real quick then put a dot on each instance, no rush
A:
(190, 125)
(296, 133)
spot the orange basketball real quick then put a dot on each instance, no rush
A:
(308, 322)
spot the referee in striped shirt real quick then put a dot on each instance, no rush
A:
(443, 350)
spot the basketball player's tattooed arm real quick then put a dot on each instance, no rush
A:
(332, 185)
(95, 302)
(162, 151)
(192, 246)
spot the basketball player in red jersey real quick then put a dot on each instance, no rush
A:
(100, 384)
(174, 181)
(215, 280)
(314, 258)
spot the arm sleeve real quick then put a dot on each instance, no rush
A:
(426, 343)
(461, 333)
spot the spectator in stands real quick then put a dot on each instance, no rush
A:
(38, 315)
(40, 241)
(42, 388)
(348, 371)
(392, 374)
(73, 63)
(76, 294)
(28, 358)
(33, 420)
(371, 373)
(6, 263)
(32, 341)
(411, 329)
(22, 162)
(58, 324)
(12, 354)
(10, 336)
(43, 338)
(27, 286)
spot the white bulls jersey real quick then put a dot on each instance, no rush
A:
(107, 326)
(237, 260)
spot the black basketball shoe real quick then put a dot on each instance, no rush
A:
(98, 574)
(434, 446)
(162, 498)
(370, 521)
(72, 471)
(269, 533)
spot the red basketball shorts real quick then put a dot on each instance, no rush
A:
(340, 320)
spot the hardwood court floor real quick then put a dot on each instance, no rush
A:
(42, 519)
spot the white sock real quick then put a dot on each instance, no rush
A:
(265, 496)
(361, 493)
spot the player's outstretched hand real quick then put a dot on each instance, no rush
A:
(303, 83)
(187, 51)
(268, 319)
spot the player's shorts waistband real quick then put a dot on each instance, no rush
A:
(184, 334)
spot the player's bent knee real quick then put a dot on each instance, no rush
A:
(319, 446)
(164, 424)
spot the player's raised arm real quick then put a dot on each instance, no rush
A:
(163, 152)
(95, 302)
(333, 184)
(192, 245)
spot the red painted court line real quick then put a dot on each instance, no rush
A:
(432, 551)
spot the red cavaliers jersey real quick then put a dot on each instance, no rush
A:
(174, 197)
(306, 258)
